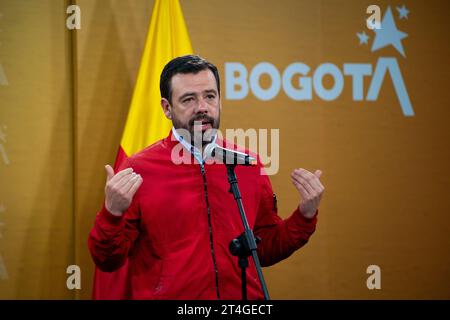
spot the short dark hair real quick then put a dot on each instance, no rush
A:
(184, 64)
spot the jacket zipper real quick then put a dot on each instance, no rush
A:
(205, 186)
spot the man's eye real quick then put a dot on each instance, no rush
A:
(187, 100)
(210, 96)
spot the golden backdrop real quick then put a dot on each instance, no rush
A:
(64, 96)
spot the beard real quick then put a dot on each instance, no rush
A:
(198, 137)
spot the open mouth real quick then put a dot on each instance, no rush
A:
(202, 124)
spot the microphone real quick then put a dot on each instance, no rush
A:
(228, 156)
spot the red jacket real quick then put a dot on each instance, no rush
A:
(178, 228)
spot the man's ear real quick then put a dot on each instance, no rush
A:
(167, 109)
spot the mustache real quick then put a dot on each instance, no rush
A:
(201, 117)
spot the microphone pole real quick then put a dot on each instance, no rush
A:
(245, 245)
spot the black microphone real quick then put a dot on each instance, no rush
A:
(228, 156)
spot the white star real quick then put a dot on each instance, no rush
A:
(388, 34)
(403, 12)
(363, 37)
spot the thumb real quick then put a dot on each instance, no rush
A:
(318, 173)
(109, 172)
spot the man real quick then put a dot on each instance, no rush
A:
(174, 222)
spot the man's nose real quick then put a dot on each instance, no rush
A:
(202, 106)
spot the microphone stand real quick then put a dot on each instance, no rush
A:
(244, 245)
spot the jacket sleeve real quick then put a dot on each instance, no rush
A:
(279, 238)
(111, 239)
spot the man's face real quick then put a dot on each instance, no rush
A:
(195, 100)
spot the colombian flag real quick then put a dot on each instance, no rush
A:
(146, 123)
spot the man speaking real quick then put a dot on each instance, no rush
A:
(174, 221)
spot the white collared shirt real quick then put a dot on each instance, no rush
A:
(189, 147)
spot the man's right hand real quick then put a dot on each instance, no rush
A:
(120, 189)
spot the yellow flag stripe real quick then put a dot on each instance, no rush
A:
(167, 38)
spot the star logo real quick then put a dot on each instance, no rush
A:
(363, 37)
(388, 34)
(403, 12)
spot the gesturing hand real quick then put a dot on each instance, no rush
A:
(310, 189)
(120, 189)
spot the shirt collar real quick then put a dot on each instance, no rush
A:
(188, 146)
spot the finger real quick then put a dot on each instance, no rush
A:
(120, 184)
(303, 182)
(318, 173)
(302, 176)
(315, 186)
(128, 182)
(109, 172)
(303, 192)
(120, 175)
(135, 186)
(310, 178)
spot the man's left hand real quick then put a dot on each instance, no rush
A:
(310, 189)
